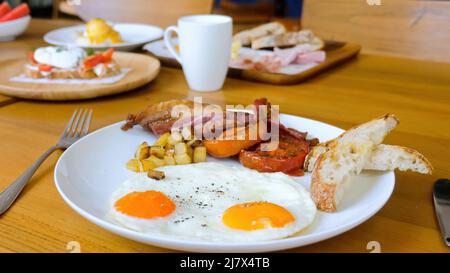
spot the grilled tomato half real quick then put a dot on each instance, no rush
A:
(287, 158)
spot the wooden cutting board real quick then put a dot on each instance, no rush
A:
(337, 52)
(143, 70)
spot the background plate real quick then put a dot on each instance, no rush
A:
(91, 169)
(143, 70)
(336, 53)
(134, 35)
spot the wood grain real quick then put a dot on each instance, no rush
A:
(406, 28)
(345, 96)
(158, 12)
(417, 92)
(143, 70)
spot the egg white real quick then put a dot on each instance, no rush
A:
(203, 191)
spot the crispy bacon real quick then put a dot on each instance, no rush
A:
(156, 117)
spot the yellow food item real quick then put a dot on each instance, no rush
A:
(162, 140)
(175, 137)
(176, 148)
(98, 32)
(189, 151)
(134, 165)
(199, 154)
(142, 151)
(235, 46)
(148, 165)
(169, 160)
(180, 148)
(182, 159)
(157, 161)
(157, 151)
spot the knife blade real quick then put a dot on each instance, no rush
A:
(441, 197)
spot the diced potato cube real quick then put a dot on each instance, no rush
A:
(189, 151)
(169, 160)
(157, 151)
(182, 159)
(199, 154)
(142, 151)
(169, 146)
(134, 165)
(157, 161)
(174, 138)
(194, 142)
(180, 148)
(170, 152)
(162, 140)
(147, 165)
(186, 133)
(157, 175)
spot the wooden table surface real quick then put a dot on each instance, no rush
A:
(367, 87)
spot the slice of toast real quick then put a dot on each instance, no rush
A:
(391, 157)
(346, 156)
(382, 158)
(246, 37)
(289, 39)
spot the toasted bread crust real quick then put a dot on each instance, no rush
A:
(326, 188)
(325, 146)
(323, 194)
(247, 36)
(288, 39)
(420, 157)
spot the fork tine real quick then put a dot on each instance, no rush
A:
(80, 126)
(87, 123)
(69, 125)
(75, 124)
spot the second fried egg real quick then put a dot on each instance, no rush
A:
(213, 202)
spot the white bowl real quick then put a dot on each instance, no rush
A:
(11, 29)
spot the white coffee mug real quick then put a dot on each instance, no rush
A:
(205, 48)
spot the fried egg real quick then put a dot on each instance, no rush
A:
(213, 202)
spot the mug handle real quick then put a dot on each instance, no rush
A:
(168, 41)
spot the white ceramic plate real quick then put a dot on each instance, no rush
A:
(134, 36)
(91, 169)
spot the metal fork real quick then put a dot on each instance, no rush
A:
(77, 128)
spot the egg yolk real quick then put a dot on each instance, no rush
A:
(256, 215)
(147, 204)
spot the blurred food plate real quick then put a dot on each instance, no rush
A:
(133, 36)
(140, 70)
(336, 53)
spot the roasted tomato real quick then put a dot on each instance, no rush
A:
(99, 58)
(45, 68)
(230, 147)
(287, 158)
(31, 57)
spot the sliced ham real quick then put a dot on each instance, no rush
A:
(301, 54)
(242, 63)
(289, 55)
(310, 57)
